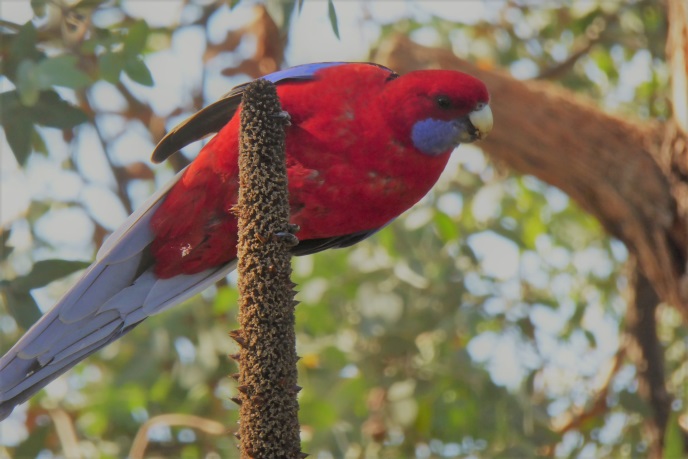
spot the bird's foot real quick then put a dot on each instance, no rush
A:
(288, 237)
(284, 116)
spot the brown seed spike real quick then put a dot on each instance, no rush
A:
(236, 357)
(235, 376)
(238, 336)
(237, 400)
(269, 417)
(303, 455)
(296, 388)
(243, 389)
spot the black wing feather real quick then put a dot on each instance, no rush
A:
(310, 246)
(215, 116)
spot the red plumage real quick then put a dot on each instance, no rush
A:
(351, 163)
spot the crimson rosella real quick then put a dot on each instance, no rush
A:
(364, 145)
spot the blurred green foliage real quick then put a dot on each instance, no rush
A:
(483, 323)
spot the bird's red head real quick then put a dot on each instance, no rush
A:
(436, 110)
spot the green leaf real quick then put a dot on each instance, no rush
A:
(673, 439)
(136, 38)
(5, 250)
(27, 83)
(53, 111)
(88, 4)
(40, 434)
(111, 65)
(446, 226)
(137, 71)
(23, 47)
(22, 306)
(19, 131)
(45, 272)
(225, 300)
(9, 106)
(18, 120)
(18, 48)
(38, 7)
(18, 135)
(332, 13)
(61, 71)
(38, 143)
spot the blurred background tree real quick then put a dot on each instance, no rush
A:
(495, 319)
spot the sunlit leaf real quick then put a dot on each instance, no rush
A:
(225, 300)
(93, 423)
(136, 38)
(673, 438)
(446, 226)
(28, 86)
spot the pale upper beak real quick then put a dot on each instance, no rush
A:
(481, 119)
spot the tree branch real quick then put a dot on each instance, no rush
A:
(646, 352)
(612, 167)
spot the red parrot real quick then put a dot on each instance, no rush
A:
(364, 145)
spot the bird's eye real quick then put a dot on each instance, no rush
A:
(479, 106)
(443, 102)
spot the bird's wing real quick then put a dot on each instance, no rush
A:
(115, 293)
(212, 118)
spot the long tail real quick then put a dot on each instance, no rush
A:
(115, 294)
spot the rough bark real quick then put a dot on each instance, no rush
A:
(269, 425)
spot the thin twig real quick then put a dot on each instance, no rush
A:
(209, 426)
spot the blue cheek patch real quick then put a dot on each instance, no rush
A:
(434, 137)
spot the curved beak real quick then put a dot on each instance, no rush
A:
(482, 121)
(477, 125)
